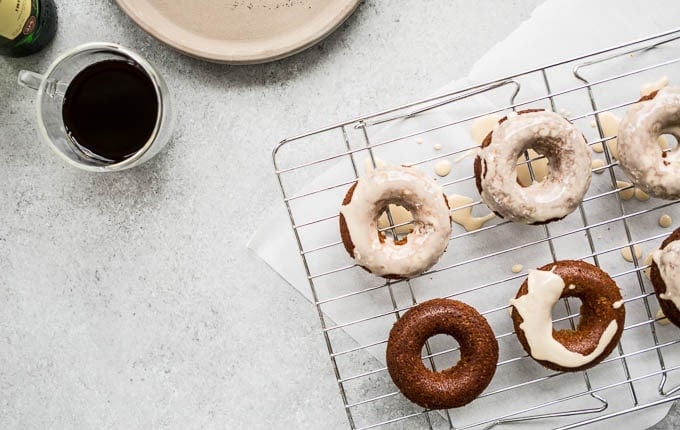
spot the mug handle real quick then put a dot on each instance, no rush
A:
(30, 80)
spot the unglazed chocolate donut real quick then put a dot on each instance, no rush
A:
(665, 276)
(549, 200)
(380, 254)
(453, 387)
(600, 325)
(644, 162)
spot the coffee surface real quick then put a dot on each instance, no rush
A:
(110, 109)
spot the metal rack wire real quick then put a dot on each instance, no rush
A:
(591, 84)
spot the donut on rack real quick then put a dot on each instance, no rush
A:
(600, 325)
(452, 387)
(380, 253)
(542, 202)
(649, 167)
(665, 276)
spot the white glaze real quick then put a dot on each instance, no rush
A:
(470, 153)
(517, 268)
(628, 255)
(617, 304)
(464, 216)
(641, 195)
(597, 166)
(368, 164)
(610, 127)
(650, 87)
(647, 262)
(661, 318)
(562, 190)
(482, 126)
(668, 262)
(627, 190)
(535, 307)
(539, 166)
(399, 216)
(665, 221)
(442, 168)
(639, 154)
(420, 195)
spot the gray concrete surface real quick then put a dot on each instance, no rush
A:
(129, 300)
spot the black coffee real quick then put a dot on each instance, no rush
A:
(111, 109)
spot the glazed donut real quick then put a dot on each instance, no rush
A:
(665, 276)
(640, 157)
(380, 254)
(600, 325)
(453, 387)
(549, 200)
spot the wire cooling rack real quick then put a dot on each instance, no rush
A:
(356, 309)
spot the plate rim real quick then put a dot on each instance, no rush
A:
(127, 6)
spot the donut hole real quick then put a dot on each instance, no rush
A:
(532, 167)
(562, 311)
(395, 220)
(668, 143)
(442, 351)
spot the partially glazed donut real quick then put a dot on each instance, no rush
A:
(551, 199)
(452, 387)
(644, 162)
(665, 276)
(380, 254)
(600, 325)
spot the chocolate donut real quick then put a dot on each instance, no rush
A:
(455, 386)
(599, 327)
(640, 157)
(381, 254)
(551, 199)
(665, 275)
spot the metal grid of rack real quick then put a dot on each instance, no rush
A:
(590, 85)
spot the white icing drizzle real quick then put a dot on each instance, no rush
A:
(597, 166)
(668, 262)
(420, 195)
(442, 168)
(650, 87)
(399, 216)
(561, 191)
(368, 164)
(470, 153)
(627, 190)
(647, 262)
(610, 127)
(539, 166)
(628, 255)
(535, 307)
(639, 154)
(617, 304)
(665, 221)
(464, 215)
(482, 126)
(572, 287)
(661, 318)
(641, 195)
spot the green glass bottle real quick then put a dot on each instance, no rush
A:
(26, 26)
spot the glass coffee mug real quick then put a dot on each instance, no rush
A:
(102, 107)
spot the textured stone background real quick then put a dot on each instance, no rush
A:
(129, 300)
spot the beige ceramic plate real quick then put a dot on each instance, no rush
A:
(239, 31)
